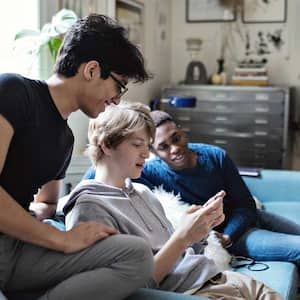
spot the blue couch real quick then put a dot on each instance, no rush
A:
(278, 191)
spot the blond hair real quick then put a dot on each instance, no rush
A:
(116, 124)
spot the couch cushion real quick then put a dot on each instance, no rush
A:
(141, 294)
(288, 210)
(150, 294)
(281, 277)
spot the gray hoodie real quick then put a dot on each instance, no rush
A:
(138, 212)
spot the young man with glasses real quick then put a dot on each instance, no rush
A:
(121, 86)
(35, 150)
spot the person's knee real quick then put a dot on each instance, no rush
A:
(141, 256)
(132, 256)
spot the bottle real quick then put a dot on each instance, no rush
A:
(219, 78)
(221, 71)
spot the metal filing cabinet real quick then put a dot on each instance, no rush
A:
(250, 123)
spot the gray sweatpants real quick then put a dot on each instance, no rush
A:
(111, 269)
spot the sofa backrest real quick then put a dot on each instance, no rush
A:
(275, 185)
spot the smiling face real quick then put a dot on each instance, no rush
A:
(97, 93)
(171, 146)
(128, 158)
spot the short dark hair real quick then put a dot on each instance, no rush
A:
(159, 117)
(98, 37)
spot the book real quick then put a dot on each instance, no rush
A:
(250, 78)
(239, 69)
(250, 83)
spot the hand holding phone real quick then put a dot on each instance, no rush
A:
(220, 194)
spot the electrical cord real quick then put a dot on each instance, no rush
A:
(250, 263)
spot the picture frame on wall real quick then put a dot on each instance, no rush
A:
(261, 11)
(209, 11)
(130, 14)
(80, 7)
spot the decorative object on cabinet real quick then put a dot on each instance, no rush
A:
(251, 73)
(251, 123)
(182, 101)
(220, 76)
(209, 11)
(271, 11)
(195, 72)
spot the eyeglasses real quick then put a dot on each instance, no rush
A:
(122, 88)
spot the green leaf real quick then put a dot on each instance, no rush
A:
(63, 20)
(54, 45)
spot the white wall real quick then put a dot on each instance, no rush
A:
(283, 65)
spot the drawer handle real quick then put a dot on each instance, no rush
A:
(260, 145)
(261, 121)
(221, 142)
(221, 118)
(184, 118)
(220, 130)
(221, 107)
(262, 97)
(262, 109)
(260, 133)
(221, 96)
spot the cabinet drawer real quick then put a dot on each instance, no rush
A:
(238, 131)
(236, 107)
(239, 107)
(239, 143)
(226, 94)
(193, 116)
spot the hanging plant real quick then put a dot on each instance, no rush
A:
(51, 35)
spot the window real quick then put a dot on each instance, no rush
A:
(16, 15)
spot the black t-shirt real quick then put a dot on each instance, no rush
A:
(42, 144)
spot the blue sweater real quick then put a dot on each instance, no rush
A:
(215, 171)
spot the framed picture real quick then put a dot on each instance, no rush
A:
(130, 14)
(265, 11)
(209, 11)
(80, 7)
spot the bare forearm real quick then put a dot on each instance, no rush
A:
(17, 222)
(195, 225)
(45, 202)
(166, 258)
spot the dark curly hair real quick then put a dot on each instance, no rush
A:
(98, 37)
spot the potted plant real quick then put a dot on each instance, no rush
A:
(51, 35)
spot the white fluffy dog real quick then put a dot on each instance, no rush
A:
(174, 208)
